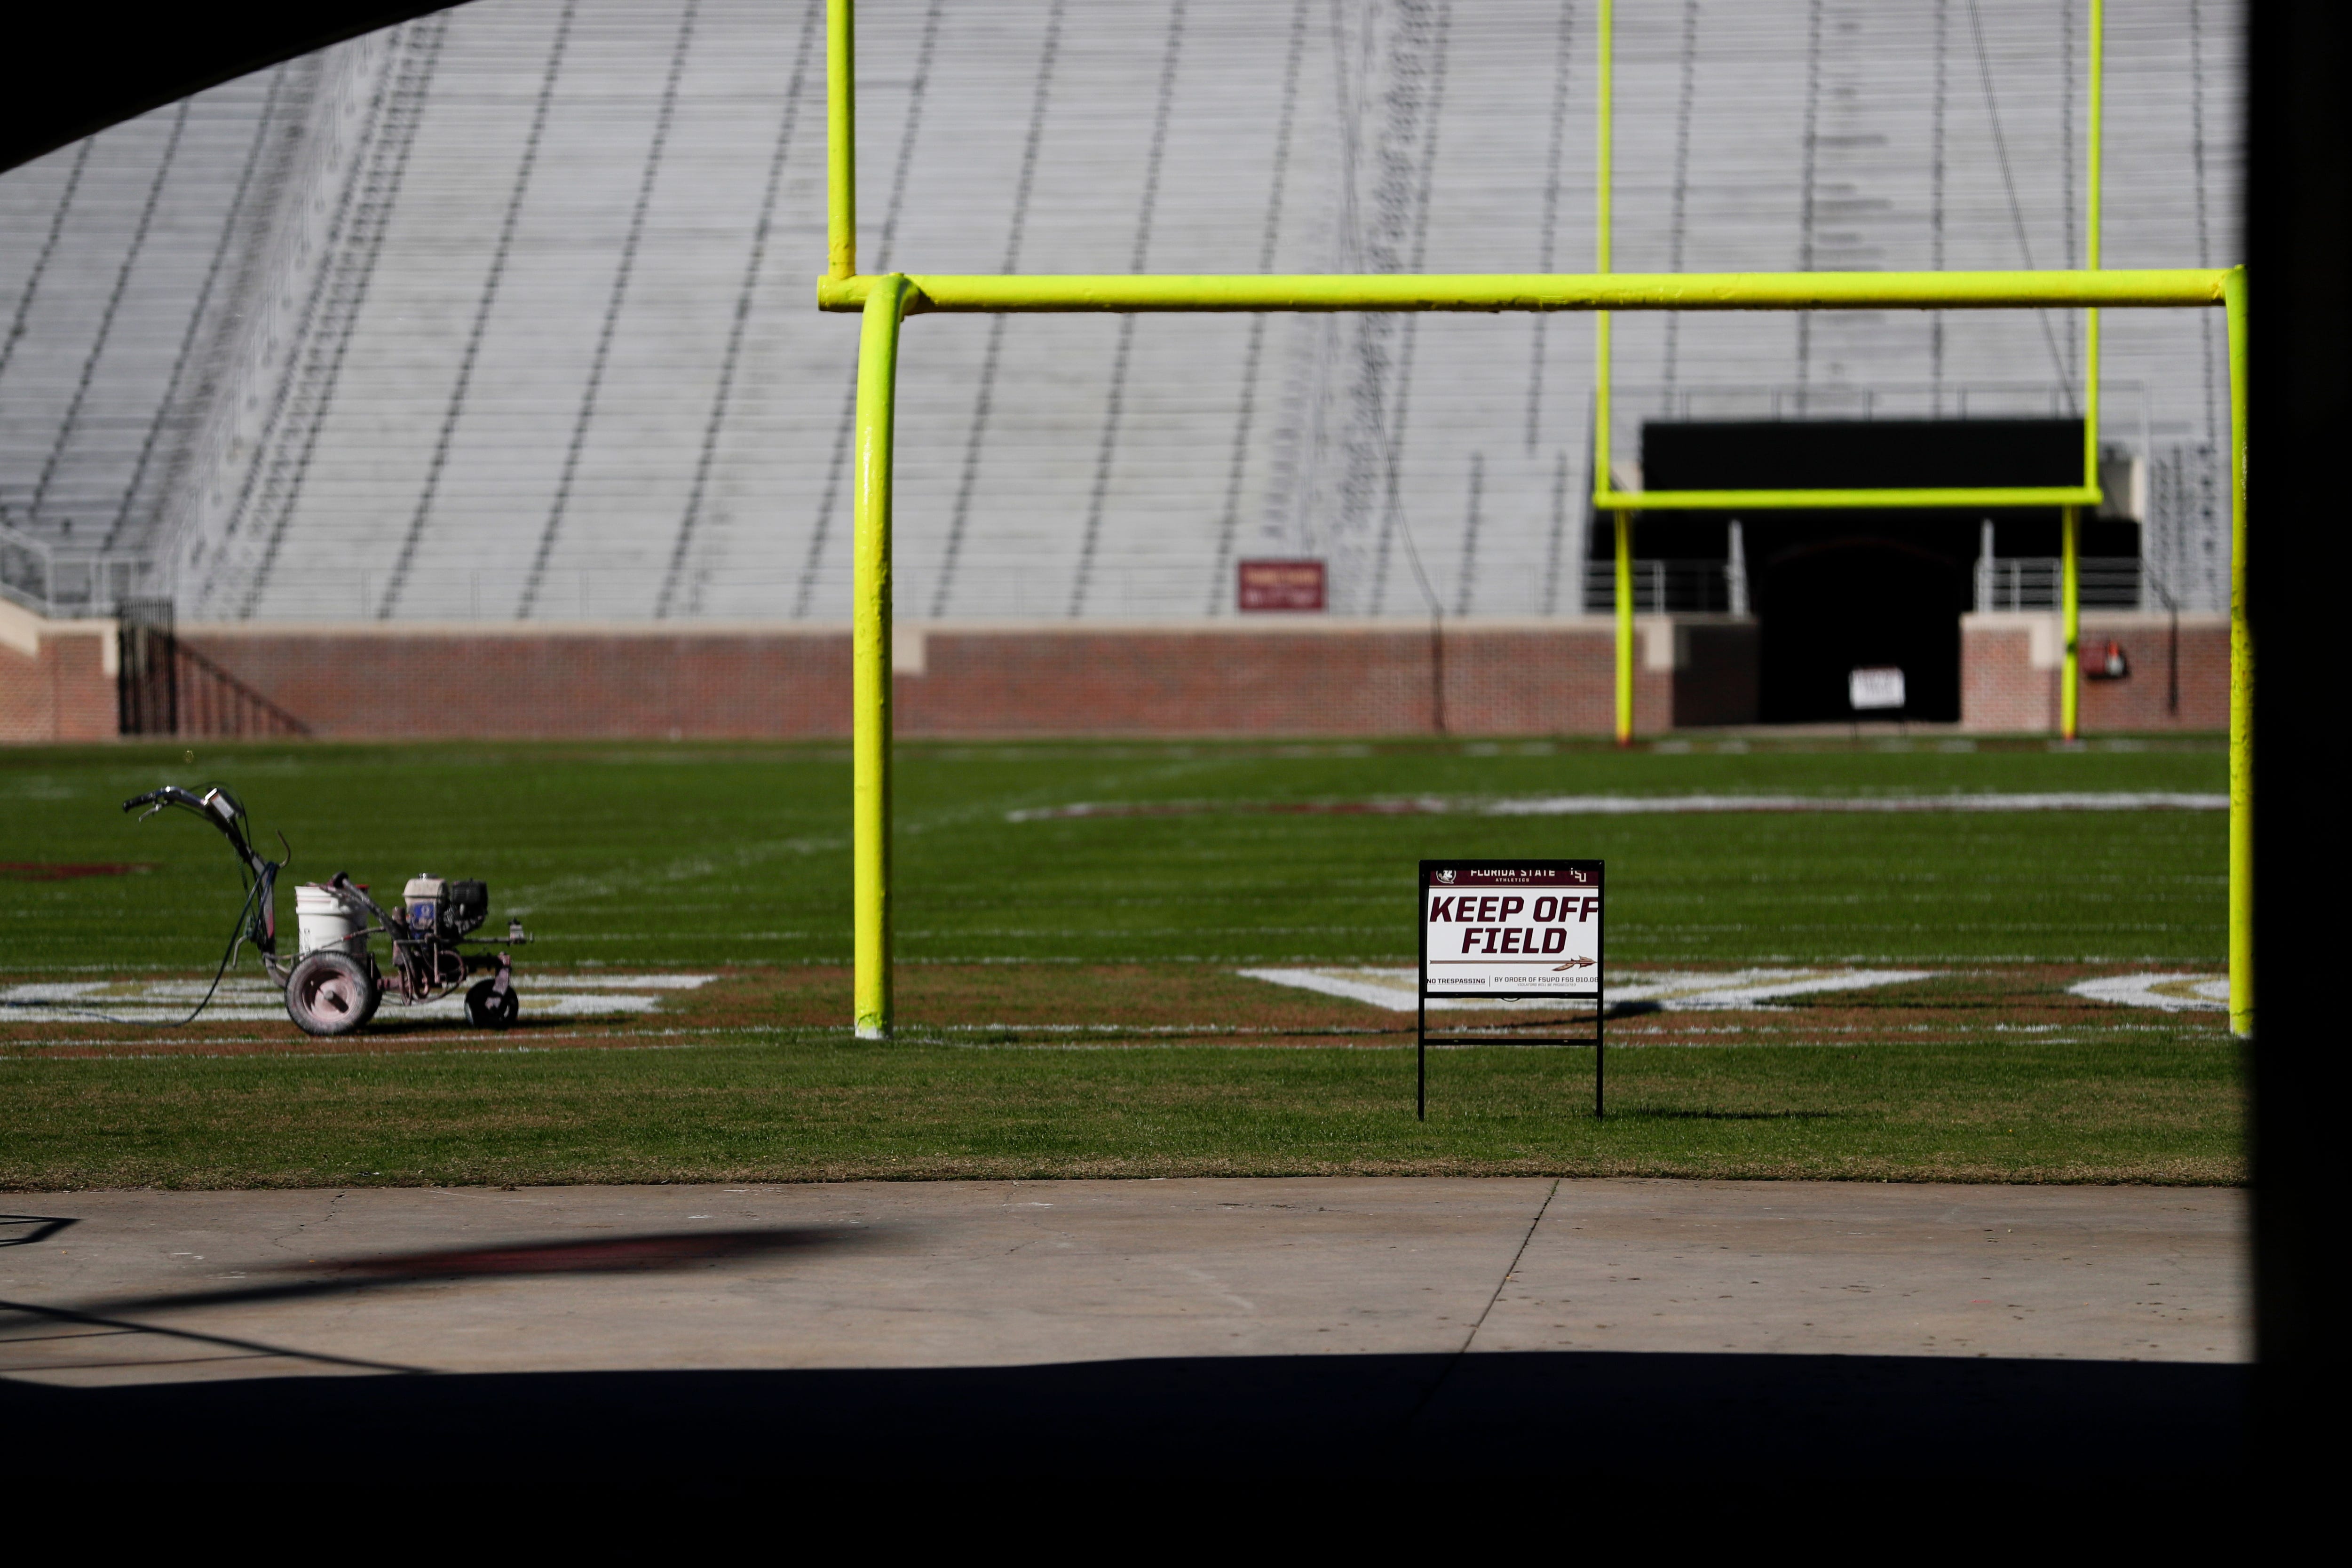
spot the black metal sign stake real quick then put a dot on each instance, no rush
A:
(1600, 1020)
(1470, 884)
(1421, 1047)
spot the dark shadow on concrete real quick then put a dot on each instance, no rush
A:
(652, 1251)
(1564, 1416)
(603, 1255)
(65, 1322)
(30, 1229)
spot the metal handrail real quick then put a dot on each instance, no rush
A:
(39, 574)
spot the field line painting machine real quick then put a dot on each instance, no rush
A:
(335, 984)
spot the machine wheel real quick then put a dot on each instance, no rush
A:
(332, 993)
(488, 1008)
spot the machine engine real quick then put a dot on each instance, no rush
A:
(446, 910)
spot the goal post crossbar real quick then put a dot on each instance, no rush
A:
(1071, 293)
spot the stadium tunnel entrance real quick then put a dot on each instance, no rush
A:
(1790, 604)
(1879, 600)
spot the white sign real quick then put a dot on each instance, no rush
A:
(1497, 928)
(1873, 688)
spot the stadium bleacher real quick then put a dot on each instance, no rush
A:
(508, 313)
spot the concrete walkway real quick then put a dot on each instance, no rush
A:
(149, 1288)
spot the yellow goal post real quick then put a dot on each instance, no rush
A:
(884, 300)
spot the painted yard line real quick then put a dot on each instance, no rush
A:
(1654, 953)
(1393, 989)
(1641, 1026)
(1240, 962)
(1630, 1035)
(906, 1035)
(1118, 931)
(2171, 993)
(2058, 800)
(182, 989)
(1691, 991)
(495, 1044)
(1051, 1047)
(673, 936)
(1643, 806)
(623, 982)
(544, 1005)
(249, 1001)
(531, 895)
(1672, 990)
(1644, 1024)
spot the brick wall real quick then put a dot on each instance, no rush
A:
(1307, 676)
(1533, 679)
(56, 678)
(2138, 701)
(618, 681)
(2009, 673)
(2011, 661)
(1322, 677)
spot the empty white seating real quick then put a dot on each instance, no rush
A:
(526, 325)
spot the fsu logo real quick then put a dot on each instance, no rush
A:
(1445, 876)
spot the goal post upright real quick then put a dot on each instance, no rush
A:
(1621, 555)
(884, 300)
(2070, 689)
(841, 138)
(1621, 603)
(870, 727)
(2241, 680)
(2070, 622)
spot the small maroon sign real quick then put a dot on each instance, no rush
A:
(1280, 585)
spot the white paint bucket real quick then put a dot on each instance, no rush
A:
(320, 920)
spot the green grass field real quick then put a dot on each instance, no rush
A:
(648, 856)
